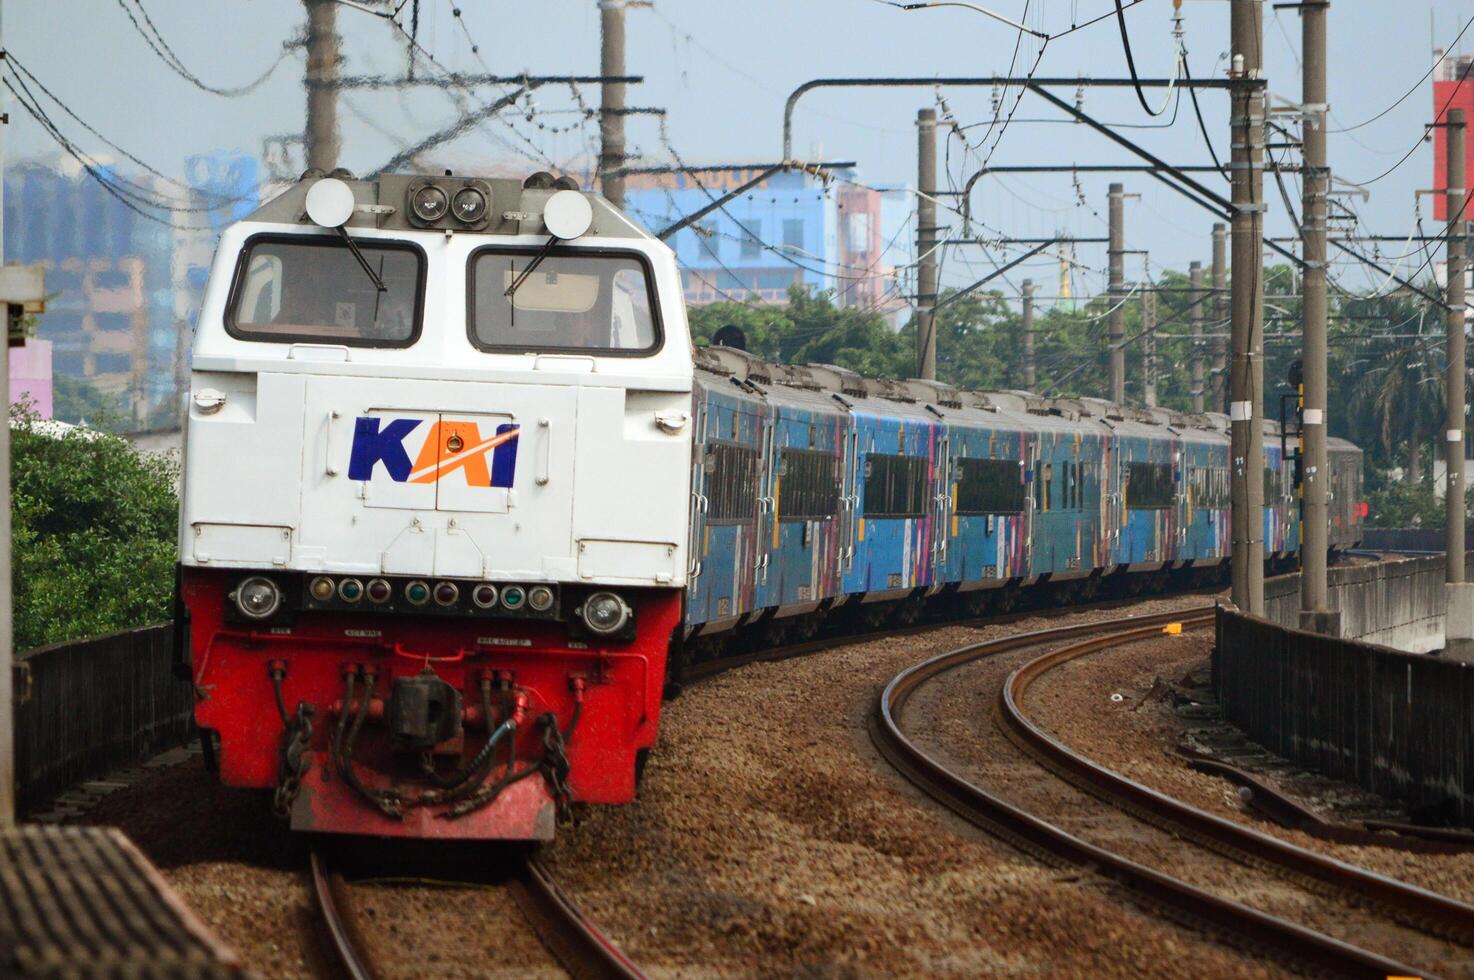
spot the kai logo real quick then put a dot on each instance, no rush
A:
(445, 448)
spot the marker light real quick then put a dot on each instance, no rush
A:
(513, 596)
(350, 590)
(605, 613)
(257, 597)
(321, 588)
(484, 595)
(540, 598)
(418, 593)
(379, 590)
(446, 593)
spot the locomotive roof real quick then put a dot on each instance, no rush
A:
(515, 206)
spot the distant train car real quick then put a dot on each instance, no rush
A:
(457, 502)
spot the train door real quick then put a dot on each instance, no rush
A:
(766, 497)
(941, 504)
(700, 502)
(849, 498)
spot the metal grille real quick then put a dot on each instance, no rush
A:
(810, 487)
(895, 486)
(732, 482)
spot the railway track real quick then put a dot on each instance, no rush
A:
(1127, 833)
(570, 936)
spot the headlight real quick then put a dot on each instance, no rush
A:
(605, 613)
(257, 597)
(540, 598)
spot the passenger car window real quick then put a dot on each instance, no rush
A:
(574, 300)
(309, 289)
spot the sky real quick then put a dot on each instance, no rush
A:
(722, 71)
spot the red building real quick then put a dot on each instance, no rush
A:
(1453, 88)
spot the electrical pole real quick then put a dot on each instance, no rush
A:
(1195, 356)
(1029, 377)
(1316, 178)
(1247, 341)
(926, 244)
(1220, 313)
(611, 100)
(322, 84)
(1116, 328)
(1149, 348)
(1459, 621)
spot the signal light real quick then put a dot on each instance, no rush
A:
(379, 590)
(484, 595)
(540, 598)
(446, 593)
(321, 588)
(350, 590)
(513, 597)
(418, 593)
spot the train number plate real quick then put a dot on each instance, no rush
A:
(893, 580)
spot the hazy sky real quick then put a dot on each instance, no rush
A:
(723, 69)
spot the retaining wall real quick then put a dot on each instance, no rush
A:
(93, 705)
(1399, 603)
(1397, 723)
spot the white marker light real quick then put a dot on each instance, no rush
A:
(330, 203)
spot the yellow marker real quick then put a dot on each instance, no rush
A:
(1172, 629)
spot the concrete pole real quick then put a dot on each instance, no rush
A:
(1315, 516)
(1246, 371)
(1220, 313)
(1459, 623)
(1029, 375)
(7, 617)
(1195, 356)
(1149, 348)
(611, 100)
(1116, 327)
(322, 84)
(926, 241)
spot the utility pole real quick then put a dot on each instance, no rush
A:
(322, 84)
(611, 100)
(1149, 348)
(1246, 371)
(1029, 377)
(1316, 179)
(926, 244)
(1220, 313)
(1459, 621)
(7, 617)
(1116, 327)
(1195, 356)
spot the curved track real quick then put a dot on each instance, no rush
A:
(1133, 821)
(572, 938)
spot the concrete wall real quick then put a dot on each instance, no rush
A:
(1398, 603)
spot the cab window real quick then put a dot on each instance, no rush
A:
(577, 300)
(313, 290)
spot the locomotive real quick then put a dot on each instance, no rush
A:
(458, 499)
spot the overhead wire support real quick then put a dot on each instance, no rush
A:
(463, 80)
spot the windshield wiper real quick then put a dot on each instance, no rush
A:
(536, 261)
(353, 247)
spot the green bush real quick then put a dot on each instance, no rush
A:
(94, 531)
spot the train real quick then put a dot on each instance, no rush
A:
(460, 501)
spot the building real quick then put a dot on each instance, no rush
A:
(123, 283)
(793, 229)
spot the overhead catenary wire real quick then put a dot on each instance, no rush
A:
(155, 40)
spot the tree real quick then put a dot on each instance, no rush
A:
(94, 531)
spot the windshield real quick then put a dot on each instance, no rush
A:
(313, 290)
(573, 301)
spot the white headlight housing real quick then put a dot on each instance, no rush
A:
(257, 597)
(605, 613)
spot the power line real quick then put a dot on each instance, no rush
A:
(155, 40)
(1416, 85)
(1131, 63)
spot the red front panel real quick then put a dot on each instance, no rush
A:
(620, 685)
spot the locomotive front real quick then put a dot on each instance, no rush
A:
(433, 521)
